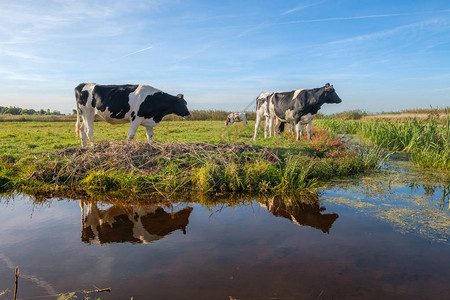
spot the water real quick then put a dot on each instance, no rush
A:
(382, 236)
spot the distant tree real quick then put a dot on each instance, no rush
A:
(74, 111)
(28, 112)
(14, 110)
(41, 112)
(56, 113)
(48, 111)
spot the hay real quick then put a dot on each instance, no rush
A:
(130, 157)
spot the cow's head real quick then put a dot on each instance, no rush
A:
(180, 107)
(227, 121)
(330, 95)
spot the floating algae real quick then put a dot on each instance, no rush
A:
(412, 200)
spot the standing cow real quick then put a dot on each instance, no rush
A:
(262, 110)
(292, 106)
(116, 104)
(236, 117)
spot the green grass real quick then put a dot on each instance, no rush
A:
(30, 138)
(43, 157)
(428, 141)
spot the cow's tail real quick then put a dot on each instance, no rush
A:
(78, 124)
(78, 99)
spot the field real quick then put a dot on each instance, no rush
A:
(196, 156)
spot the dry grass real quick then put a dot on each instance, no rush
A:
(138, 158)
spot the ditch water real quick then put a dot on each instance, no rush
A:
(382, 236)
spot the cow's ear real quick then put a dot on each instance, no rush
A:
(327, 84)
(181, 96)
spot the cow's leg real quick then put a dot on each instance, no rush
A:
(82, 211)
(132, 130)
(308, 130)
(258, 121)
(90, 130)
(83, 135)
(291, 127)
(270, 126)
(297, 130)
(149, 133)
(301, 129)
(245, 120)
(87, 129)
(266, 127)
(275, 126)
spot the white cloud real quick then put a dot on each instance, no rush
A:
(301, 7)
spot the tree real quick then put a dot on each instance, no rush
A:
(28, 112)
(14, 110)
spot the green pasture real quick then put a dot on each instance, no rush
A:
(24, 138)
(186, 156)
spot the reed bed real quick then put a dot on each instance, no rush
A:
(427, 141)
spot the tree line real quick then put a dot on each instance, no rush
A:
(12, 110)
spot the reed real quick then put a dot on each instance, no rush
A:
(428, 141)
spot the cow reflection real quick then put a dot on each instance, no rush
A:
(301, 213)
(129, 224)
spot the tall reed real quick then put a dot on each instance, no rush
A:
(428, 141)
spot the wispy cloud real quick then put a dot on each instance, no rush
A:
(301, 7)
(367, 17)
(390, 32)
(129, 54)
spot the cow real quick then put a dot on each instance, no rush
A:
(304, 120)
(133, 224)
(116, 104)
(308, 213)
(293, 105)
(262, 110)
(236, 117)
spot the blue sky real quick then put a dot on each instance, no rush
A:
(379, 55)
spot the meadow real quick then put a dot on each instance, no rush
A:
(185, 157)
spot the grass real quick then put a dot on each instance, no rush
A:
(185, 157)
(428, 141)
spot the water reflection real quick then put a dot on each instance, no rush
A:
(134, 224)
(302, 213)
(138, 223)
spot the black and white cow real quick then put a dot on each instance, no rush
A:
(133, 224)
(236, 117)
(292, 106)
(302, 214)
(116, 104)
(262, 110)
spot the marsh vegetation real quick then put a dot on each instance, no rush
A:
(427, 141)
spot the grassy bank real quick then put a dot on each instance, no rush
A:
(192, 157)
(428, 141)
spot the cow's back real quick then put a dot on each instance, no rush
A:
(114, 98)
